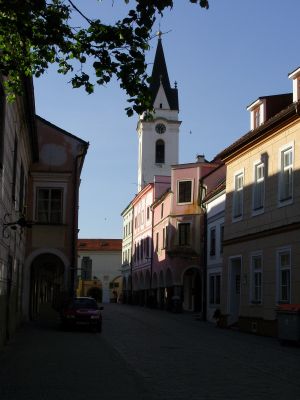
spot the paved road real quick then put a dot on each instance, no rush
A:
(147, 354)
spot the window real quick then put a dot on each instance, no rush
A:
(21, 189)
(160, 152)
(142, 249)
(212, 246)
(256, 278)
(259, 187)
(221, 238)
(286, 175)
(14, 177)
(157, 240)
(184, 192)
(49, 205)
(162, 211)
(164, 237)
(238, 195)
(86, 268)
(214, 289)
(147, 247)
(184, 234)
(256, 116)
(2, 123)
(284, 266)
(148, 212)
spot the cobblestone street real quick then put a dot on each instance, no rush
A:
(147, 354)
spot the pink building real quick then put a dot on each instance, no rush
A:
(178, 229)
(142, 238)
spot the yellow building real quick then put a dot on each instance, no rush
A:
(262, 216)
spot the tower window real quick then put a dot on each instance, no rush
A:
(160, 152)
(160, 105)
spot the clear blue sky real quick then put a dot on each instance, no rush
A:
(223, 59)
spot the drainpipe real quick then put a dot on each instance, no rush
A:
(204, 280)
(131, 258)
(73, 268)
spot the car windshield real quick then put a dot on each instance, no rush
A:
(84, 303)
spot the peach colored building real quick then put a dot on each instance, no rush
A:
(51, 257)
(262, 218)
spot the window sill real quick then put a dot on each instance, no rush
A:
(257, 211)
(285, 202)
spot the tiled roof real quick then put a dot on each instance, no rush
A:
(216, 190)
(263, 129)
(99, 244)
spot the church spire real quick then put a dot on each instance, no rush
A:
(160, 76)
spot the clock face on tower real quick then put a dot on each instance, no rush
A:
(160, 128)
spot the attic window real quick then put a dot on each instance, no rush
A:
(256, 117)
(257, 113)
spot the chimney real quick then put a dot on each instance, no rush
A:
(200, 158)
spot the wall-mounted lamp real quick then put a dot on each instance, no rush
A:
(21, 222)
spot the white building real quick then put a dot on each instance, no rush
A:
(99, 261)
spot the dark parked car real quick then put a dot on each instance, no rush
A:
(82, 311)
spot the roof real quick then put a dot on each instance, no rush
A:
(160, 75)
(221, 186)
(266, 128)
(99, 244)
(62, 130)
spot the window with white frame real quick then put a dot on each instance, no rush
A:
(212, 242)
(164, 237)
(256, 117)
(238, 195)
(221, 238)
(49, 205)
(184, 234)
(259, 186)
(284, 276)
(214, 289)
(286, 175)
(184, 192)
(256, 278)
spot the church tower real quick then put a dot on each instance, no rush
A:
(158, 146)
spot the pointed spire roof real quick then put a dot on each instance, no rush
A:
(160, 75)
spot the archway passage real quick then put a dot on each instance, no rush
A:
(96, 293)
(192, 290)
(47, 290)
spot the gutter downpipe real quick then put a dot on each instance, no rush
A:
(73, 266)
(204, 283)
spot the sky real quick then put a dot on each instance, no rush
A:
(223, 59)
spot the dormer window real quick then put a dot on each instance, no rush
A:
(256, 116)
(257, 113)
(295, 76)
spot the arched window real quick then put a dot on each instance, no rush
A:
(160, 152)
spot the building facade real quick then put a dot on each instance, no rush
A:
(262, 219)
(214, 204)
(18, 150)
(126, 267)
(99, 262)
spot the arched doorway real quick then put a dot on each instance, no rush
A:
(46, 285)
(192, 290)
(115, 289)
(169, 289)
(96, 293)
